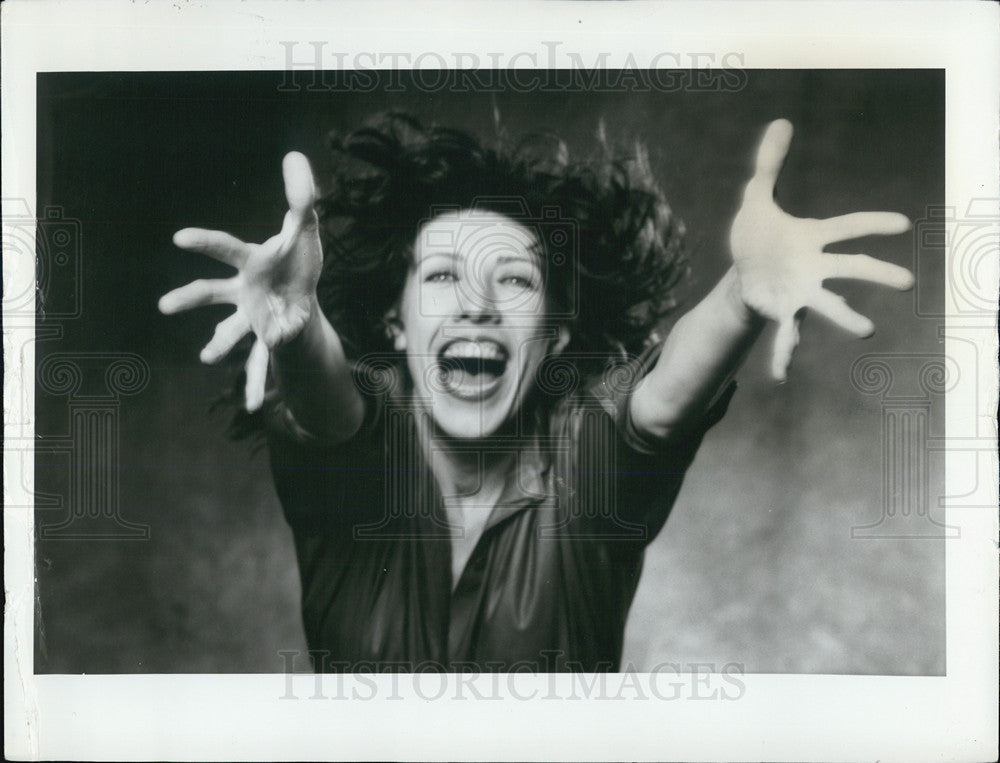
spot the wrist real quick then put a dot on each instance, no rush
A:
(308, 334)
(732, 289)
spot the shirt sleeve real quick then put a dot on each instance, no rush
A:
(327, 487)
(615, 395)
(644, 474)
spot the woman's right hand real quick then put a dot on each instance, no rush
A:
(274, 289)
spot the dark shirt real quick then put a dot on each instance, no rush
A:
(549, 583)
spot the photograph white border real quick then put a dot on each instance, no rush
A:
(777, 717)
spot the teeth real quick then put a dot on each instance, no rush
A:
(484, 350)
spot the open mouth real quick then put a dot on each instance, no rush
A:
(472, 370)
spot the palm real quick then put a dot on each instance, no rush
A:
(780, 260)
(277, 282)
(274, 287)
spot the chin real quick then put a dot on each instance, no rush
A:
(466, 420)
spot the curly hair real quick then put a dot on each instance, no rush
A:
(612, 249)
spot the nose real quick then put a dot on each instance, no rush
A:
(477, 303)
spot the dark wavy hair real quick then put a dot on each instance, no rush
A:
(611, 248)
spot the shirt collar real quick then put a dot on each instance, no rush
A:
(526, 485)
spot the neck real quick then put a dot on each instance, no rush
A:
(462, 468)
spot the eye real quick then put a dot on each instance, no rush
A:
(519, 282)
(440, 276)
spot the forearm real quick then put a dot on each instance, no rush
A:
(704, 349)
(315, 382)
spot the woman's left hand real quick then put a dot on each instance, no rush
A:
(780, 262)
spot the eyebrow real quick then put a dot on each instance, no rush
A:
(503, 259)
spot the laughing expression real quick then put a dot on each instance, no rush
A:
(472, 320)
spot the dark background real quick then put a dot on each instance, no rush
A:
(755, 566)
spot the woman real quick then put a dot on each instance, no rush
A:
(475, 428)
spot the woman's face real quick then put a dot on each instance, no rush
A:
(472, 320)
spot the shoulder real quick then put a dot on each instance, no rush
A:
(379, 381)
(324, 485)
(608, 395)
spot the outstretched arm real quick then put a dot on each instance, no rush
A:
(274, 291)
(778, 271)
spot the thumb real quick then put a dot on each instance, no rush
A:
(256, 370)
(771, 155)
(299, 188)
(785, 341)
